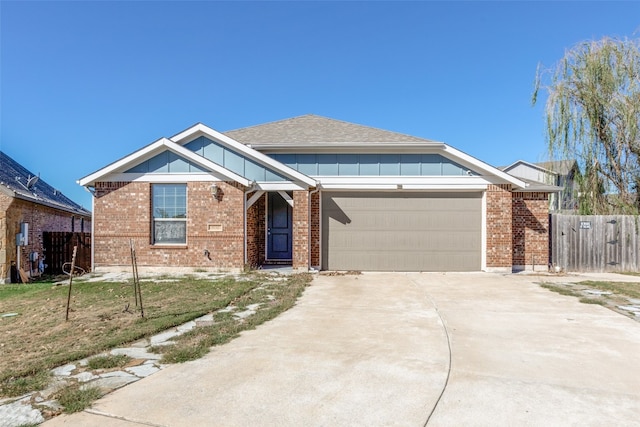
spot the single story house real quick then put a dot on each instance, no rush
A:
(561, 174)
(315, 193)
(31, 209)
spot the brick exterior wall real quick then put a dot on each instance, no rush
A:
(499, 223)
(300, 256)
(40, 219)
(530, 229)
(517, 228)
(122, 212)
(256, 232)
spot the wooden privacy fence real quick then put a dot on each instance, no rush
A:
(58, 249)
(595, 242)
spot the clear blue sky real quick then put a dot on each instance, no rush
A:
(85, 83)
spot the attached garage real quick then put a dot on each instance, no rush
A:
(401, 231)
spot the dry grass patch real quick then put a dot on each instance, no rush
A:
(39, 338)
(268, 299)
(620, 293)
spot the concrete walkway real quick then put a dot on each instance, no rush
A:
(372, 350)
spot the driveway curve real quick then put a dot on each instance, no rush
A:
(525, 356)
(364, 349)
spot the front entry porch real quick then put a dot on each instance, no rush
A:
(277, 229)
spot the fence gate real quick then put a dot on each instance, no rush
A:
(595, 242)
(58, 249)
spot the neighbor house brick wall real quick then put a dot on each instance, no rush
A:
(499, 223)
(530, 226)
(122, 213)
(41, 219)
(300, 256)
(256, 232)
(315, 229)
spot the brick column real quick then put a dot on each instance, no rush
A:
(530, 231)
(300, 256)
(499, 223)
(315, 229)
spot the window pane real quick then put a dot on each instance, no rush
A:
(170, 232)
(169, 202)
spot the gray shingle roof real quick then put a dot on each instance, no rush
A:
(310, 129)
(14, 178)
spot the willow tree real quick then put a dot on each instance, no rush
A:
(593, 114)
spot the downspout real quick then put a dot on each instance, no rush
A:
(311, 193)
(93, 231)
(253, 187)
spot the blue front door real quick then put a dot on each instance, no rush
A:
(279, 225)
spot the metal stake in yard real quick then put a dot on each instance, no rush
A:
(136, 281)
(73, 266)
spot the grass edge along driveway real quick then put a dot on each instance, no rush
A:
(103, 316)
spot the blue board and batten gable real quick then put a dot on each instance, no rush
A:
(321, 164)
(372, 164)
(168, 162)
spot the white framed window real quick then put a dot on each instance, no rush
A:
(169, 209)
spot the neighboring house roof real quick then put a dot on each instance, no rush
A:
(561, 167)
(18, 182)
(556, 167)
(312, 129)
(533, 186)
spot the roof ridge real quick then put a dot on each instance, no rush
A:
(274, 122)
(316, 128)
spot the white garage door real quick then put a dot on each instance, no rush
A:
(401, 231)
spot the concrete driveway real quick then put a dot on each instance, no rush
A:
(403, 349)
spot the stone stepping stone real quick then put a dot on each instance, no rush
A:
(165, 336)
(143, 371)
(19, 414)
(63, 371)
(136, 353)
(85, 377)
(114, 381)
(596, 292)
(631, 308)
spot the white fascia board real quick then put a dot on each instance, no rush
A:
(479, 165)
(416, 187)
(200, 129)
(356, 147)
(206, 163)
(119, 165)
(280, 185)
(442, 181)
(166, 177)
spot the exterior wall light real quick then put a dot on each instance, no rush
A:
(216, 192)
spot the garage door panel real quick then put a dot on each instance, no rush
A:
(417, 221)
(394, 241)
(401, 231)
